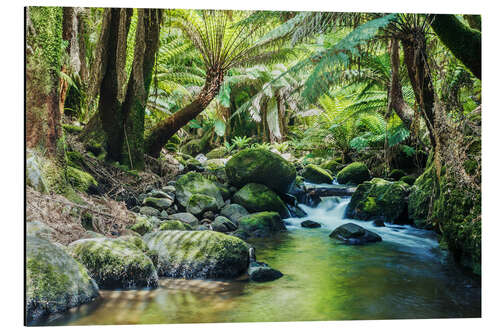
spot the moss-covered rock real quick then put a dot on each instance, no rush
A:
(196, 146)
(158, 203)
(215, 164)
(458, 211)
(34, 174)
(334, 166)
(54, 280)
(200, 203)
(260, 166)
(142, 226)
(116, 263)
(174, 225)
(223, 224)
(317, 175)
(216, 153)
(396, 174)
(187, 218)
(421, 198)
(149, 211)
(79, 179)
(380, 198)
(39, 229)
(72, 129)
(199, 254)
(261, 224)
(258, 198)
(354, 173)
(194, 183)
(234, 212)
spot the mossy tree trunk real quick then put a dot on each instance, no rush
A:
(463, 42)
(160, 134)
(146, 46)
(43, 63)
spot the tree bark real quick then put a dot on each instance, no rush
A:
(133, 109)
(463, 42)
(168, 127)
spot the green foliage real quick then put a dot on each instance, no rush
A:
(241, 142)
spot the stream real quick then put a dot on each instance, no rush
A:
(406, 275)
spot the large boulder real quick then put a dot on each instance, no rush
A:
(258, 198)
(317, 175)
(354, 234)
(55, 281)
(116, 262)
(234, 212)
(199, 254)
(200, 203)
(260, 166)
(380, 198)
(354, 173)
(194, 183)
(261, 224)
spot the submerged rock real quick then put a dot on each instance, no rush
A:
(260, 166)
(116, 263)
(353, 234)
(317, 175)
(380, 198)
(55, 281)
(198, 254)
(194, 183)
(258, 198)
(261, 272)
(354, 173)
(261, 224)
(310, 224)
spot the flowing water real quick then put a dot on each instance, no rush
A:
(406, 275)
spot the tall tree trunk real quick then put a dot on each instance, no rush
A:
(111, 89)
(146, 46)
(415, 57)
(43, 63)
(168, 127)
(463, 42)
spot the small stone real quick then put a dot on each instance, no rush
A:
(149, 211)
(163, 215)
(261, 272)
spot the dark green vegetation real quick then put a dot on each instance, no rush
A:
(167, 143)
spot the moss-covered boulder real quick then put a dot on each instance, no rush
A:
(187, 218)
(333, 166)
(258, 198)
(200, 203)
(116, 263)
(260, 166)
(79, 179)
(54, 280)
(34, 173)
(149, 211)
(353, 234)
(199, 254)
(158, 203)
(380, 198)
(317, 175)
(40, 230)
(215, 153)
(142, 225)
(174, 225)
(261, 224)
(396, 174)
(354, 173)
(194, 183)
(223, 224)
(234, 212)
(421, 198)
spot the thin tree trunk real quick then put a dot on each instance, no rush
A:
(165, 129)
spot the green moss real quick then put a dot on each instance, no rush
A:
(354, 173)
(334, 166)
(261, 224)
(397, 174)
(194, 183)
(315, 174)
(257, 198)
(174, 225)
(47, 282)
(260, 166)
(421, 198)
(410, 179)
(200, 203)
(142, 226)
(80, 180)
(72, 129)
(218, 152)
(75, 159)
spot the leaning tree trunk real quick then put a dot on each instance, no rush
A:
(133, 109)
(43, 63)
(162, 132)
(463, 42)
